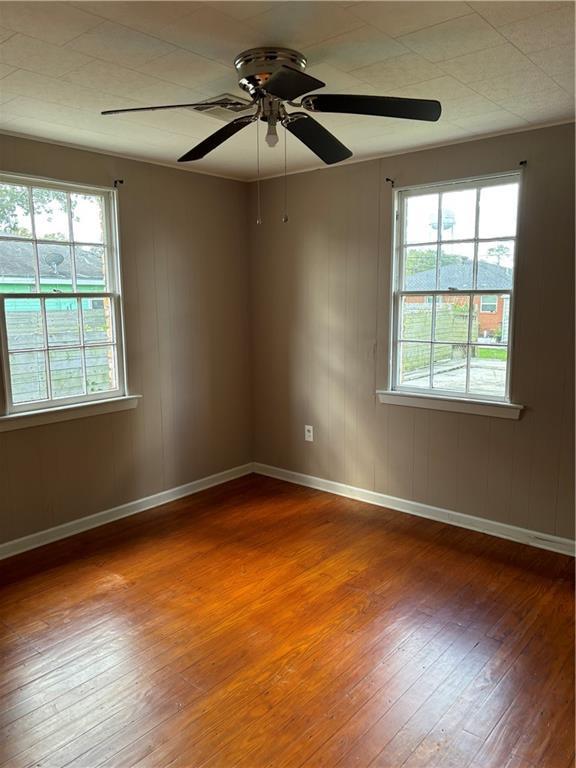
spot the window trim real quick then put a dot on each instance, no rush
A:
(28, 419)
(495, 408)
(392, 393)
(9, 410)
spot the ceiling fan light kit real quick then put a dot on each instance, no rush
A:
(274, 77)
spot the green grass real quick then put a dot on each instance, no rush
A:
(491, 354)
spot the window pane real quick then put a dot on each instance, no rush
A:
(495, 264)
(24, 325)
(452, 313)
(449, 365)
(55, 265)
(87, 218)
(28, 376)
(488, 371)
(15, 211)
(51, 214)
(498, 208)
(421, 224)
(97, 320)
(456, 266)
(100, 369)
(459, 215)
(414, 364)
(420, 269)
(66, 372)
(17, 267)
(416, 320)
(62, 322)
(491, 319)
(90, 268)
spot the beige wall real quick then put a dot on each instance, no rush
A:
(184, 264)
(316, 293)
(320, 302)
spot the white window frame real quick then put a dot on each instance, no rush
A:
(410, 395)
(65, 405)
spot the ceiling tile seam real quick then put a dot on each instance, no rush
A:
(471, 11)
(160, 80)
(410, 51)
(64, 44)
(340, 34)
(566, 90)
(16, 69)
(154, 59)
(470, 85)
(437, 24)
(532, 16)
(523, 53)
(6, 39)
(62, 78)
(454, 58)
(435, 77)
(121, 120)
(542, 90)
(151, 35)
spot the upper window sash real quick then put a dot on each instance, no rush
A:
(110, 235)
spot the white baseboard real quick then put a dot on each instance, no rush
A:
(501, 530)
(17, 546)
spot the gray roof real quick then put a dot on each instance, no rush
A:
(460, 276)
(15, 261)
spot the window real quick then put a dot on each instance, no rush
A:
(60, 309)
(489, 304)
(455, 255)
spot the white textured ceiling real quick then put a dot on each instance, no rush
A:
(495, 66)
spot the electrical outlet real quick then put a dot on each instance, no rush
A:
(308, 433)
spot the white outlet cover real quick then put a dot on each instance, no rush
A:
(308, 433)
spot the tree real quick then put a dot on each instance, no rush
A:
(15, 212)
(499, 253)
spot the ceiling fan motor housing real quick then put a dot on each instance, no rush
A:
(256, 65)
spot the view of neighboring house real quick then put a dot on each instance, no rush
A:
(491, 312)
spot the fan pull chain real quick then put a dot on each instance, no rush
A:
(258, 204)
(285, 216)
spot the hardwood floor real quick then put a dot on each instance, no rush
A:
(260, 624)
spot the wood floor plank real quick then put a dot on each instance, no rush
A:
(264, 625)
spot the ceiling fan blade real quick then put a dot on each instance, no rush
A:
(288, 83)
(381, 106)
(219, 137)
(316, 137)
(237, 105)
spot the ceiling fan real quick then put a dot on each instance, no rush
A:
(274, 78)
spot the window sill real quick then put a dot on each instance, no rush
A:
(67, 412)
(456, 405)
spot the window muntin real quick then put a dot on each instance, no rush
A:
(60, 304)
(454, 267)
